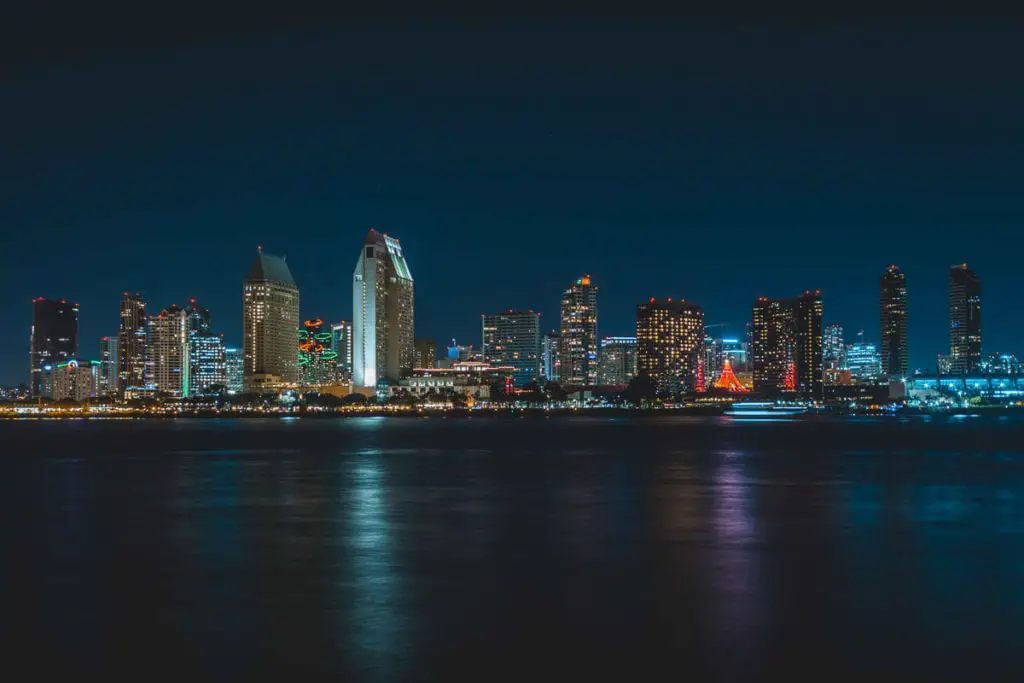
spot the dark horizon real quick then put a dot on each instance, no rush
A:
(712, 164)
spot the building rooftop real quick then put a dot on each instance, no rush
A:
(269, 267)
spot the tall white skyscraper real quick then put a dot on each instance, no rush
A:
(382, 313)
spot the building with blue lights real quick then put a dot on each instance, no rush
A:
(512, 339)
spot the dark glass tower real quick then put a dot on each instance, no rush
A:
(964, 320)
(54, 339)
(893, 322)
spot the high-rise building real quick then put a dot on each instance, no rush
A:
(198, 317)
(552, 360)
(235, 361)
(579, 333)
(426, 353)
(787, 345)
(669, 343)
(834, 348)
(131, 344)
(318, 362)
(107, 385)
(893, 322)
(341, 342)
(207, 363)
(382, 313)
(863, 361)
(54, 339)
(617, 362)
(270, 319)
(512, 339)
(167, 353)
(964, 320)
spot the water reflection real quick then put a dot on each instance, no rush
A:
(736, 571)
(370, 599)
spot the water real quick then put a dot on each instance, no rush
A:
(503, 549)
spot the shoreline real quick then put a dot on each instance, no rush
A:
(535, 413)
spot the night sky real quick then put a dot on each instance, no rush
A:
(704, 161)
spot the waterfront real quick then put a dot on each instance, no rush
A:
(476, 549)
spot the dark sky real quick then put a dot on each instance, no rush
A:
(701, 160)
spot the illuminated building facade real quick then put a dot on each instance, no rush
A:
(235, 362)
(964, 320)
(108, 367)
(893, 322)
(131, 344)
(341, 342)
(863, 361)
(834, 348)
(787, 345)
(512, 339)
(382, 318)
(578, 354)
(318, 362)
(426, 353)
(551, 359)
(1000, 364)
(270, 315)
(75, 379)
(617, 362)
(208, 363)
(53, 339)
(167, 353)
(669, 343)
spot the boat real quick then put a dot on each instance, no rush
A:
(765, 409)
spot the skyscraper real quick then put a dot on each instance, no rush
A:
(786, 343)
(198, 317)
(893, 322)
(341, 341)
(810, 372)
(382, 313)
(863, 361)
(167, 356)
(235, 361)
(54, 339)
(207, 363)
(270, 315)
(834, 348)
(131, 344)
(512, 338)
(617, 362)
(551, 361)
(107, 385)
(964, 320)
(669, 343)
(426, 353)
(579, 333)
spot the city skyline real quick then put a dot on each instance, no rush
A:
(522, 170)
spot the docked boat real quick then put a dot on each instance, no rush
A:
(765, 409)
